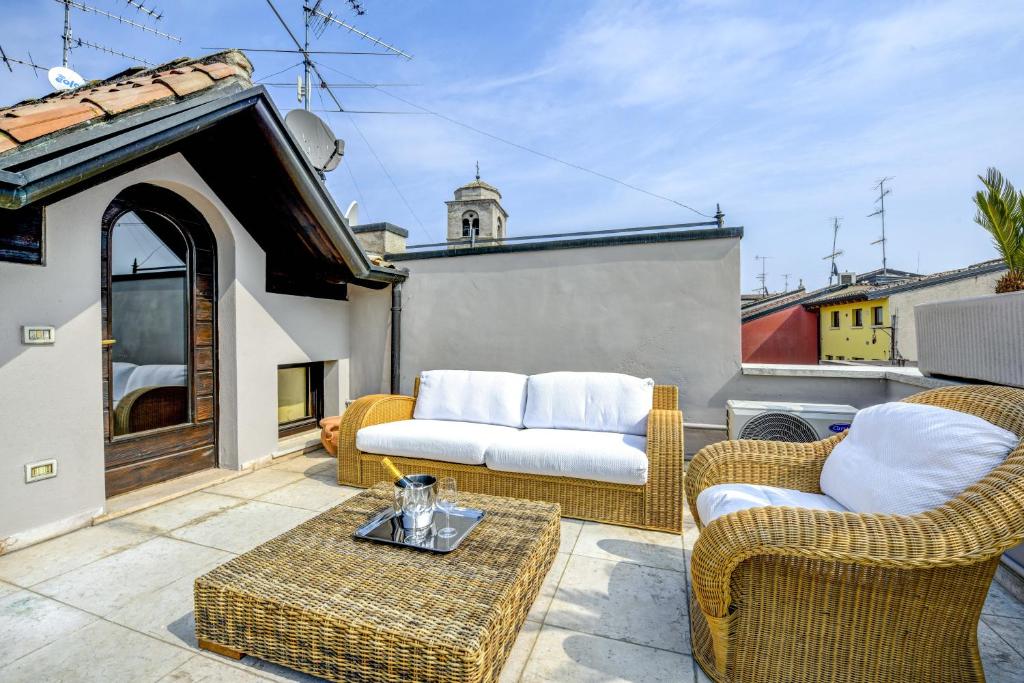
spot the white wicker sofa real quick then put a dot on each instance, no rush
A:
(604, 446)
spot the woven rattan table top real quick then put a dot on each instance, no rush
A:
(453, 600)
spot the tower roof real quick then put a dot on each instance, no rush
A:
(478, 185)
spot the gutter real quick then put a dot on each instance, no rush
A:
(396, 337)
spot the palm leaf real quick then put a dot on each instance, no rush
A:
(1001, 213)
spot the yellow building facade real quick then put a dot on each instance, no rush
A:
(855, 331)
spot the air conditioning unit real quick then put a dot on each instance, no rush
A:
(780, 421)
(847, 278)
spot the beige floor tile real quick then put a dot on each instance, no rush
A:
(101, 652)
(165, 491)
(1002, 663)
(276, 672)
(1010, 630)
(42, 561)
(309, 464)
(178, 512)
(548, 588)
(29, 621)
(244, 527)
(310, 493)
(1000, 603)
(108, 584)
(565, 655)
(520, 654)
(208, 670)
(167, 613)
(622, 600)
(256, 484)
(569, 532)
(651, 548)
(690, 537)
(6, 589)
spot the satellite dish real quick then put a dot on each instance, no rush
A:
(63, 78)
(316, 139)
(352, 214)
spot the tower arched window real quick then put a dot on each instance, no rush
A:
(501, 233)
(470, 221)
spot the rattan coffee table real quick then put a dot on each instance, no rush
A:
(317, 600)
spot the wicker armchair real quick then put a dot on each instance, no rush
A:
(658, 504)
(787, 594)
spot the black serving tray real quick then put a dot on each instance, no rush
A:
(385, 527)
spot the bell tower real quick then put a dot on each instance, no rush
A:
(476, 213)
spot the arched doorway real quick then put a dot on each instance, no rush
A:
(158, 285)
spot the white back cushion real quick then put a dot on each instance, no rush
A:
(496, 398)
(589, 401)
(905, 458)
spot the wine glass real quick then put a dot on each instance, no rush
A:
(447, 498)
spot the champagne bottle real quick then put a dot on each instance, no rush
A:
(400, 479)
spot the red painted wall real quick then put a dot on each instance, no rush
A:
(786, 336)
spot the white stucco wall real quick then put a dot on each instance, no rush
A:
(50, 396)
(902, 305)
(667, 310)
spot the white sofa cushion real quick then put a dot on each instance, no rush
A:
(589, 401)
(444, 440)
(721, 499)
(599, 456)
(496, 398)
(905, 458)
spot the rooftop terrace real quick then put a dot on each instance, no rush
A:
(113, 602)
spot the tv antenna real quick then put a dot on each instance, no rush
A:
(882, 191)
(70, 42)
(785, 280)
(763, 276)
(30, 63)
(834, 272)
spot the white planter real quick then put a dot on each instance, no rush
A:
(981, 338)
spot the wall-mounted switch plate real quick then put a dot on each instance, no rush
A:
(38, 334)
(37, 471)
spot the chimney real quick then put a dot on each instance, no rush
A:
(380, 239)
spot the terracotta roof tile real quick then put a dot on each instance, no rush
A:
(220, 70)
(121, 93)
(28, 123)
(186, 83)
(6, 143)
(115, 101)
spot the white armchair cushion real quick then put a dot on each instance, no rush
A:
(905, 458)
(598, 456)
(589, 401)
(496, 398)
(444, 440)
(715, 501)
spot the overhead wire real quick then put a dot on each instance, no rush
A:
(348, 167)
(524, 148)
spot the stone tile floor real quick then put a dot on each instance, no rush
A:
(113, 602)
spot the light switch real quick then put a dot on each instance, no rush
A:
(38, 334)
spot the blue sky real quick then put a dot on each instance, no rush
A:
(786, 113)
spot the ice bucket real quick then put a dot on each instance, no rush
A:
(414, 501)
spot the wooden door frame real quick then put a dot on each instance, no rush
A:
(136, 460)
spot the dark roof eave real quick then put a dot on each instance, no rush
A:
(103, 147)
